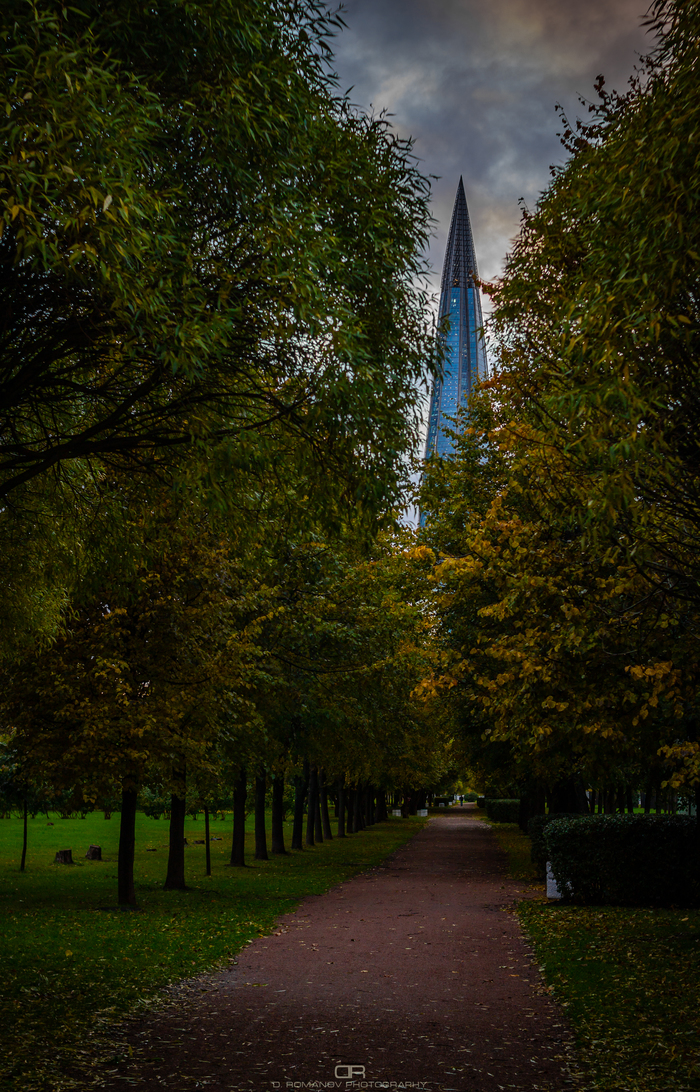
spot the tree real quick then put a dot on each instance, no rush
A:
(201, 241)
(152, 671)
(551, 649)
(597, 316)
(596, 321)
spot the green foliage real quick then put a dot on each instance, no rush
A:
(502, 811)
(566, 524)
(202, 244)
(629, 981)
(75, 965)
(153, 802)
(535, 829)
(637, 860)
(598, 309)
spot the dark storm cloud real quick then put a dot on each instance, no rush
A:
(475, 82)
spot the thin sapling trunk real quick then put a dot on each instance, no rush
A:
(300, 783)
(240, 791)
(325, 817)
(277, 837)
(260, 834)
(24, 835)
(126, 895)
(175, 878)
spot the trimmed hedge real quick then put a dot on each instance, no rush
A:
(636, 860)
(502, 811)
(535, 829)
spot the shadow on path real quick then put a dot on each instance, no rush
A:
(412, 975)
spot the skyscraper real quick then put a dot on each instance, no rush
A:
(465, 355)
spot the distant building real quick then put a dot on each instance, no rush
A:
(465, 354)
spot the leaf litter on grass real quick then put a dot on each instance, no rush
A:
(73, 969)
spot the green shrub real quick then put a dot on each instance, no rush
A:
(638, 860)
(535, 829)
(502, 811)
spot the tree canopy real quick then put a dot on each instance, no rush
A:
(566, 528)
(201, 241)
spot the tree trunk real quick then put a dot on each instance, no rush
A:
(382, 810)
(24, 835)
(647, 797)
(356, 804)
(175, 878)
(369, 806)
(325, 817)
(207, 844)
(341, 808)
(260, 834)
(126, 895)
(318, 828)
(300, 784)
(277, 839)
(310, 810)
(240, 791)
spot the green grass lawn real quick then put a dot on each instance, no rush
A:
(629, 980)
(73, 964)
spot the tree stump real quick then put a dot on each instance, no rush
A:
(94, 853)
(64, 856)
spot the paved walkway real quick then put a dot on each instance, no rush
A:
(414, 973)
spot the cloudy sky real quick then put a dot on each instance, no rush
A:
(475, 82)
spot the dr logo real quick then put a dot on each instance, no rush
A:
(350, 1072)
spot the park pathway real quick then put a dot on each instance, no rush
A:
(412, 975)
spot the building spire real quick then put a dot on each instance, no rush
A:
(460, 303)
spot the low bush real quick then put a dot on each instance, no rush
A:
(636, 860)
(535, 829)
(502, 811)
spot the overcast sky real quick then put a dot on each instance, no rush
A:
(475, 82)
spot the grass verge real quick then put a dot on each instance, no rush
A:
(628, 978)
(73, 964)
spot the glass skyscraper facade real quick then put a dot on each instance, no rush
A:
(465, 354)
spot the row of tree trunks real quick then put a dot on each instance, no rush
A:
(356, 808)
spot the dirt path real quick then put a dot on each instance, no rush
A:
(412, 975)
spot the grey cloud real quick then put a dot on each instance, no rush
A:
(475, 83)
